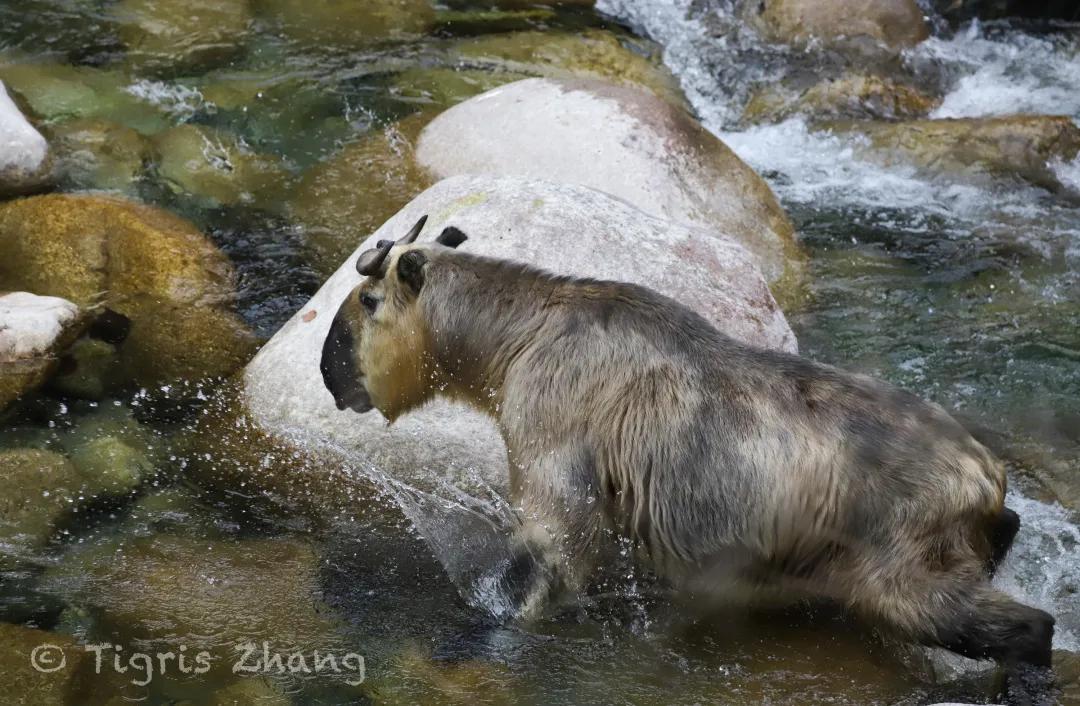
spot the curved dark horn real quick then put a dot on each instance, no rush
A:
(371, 261)
(413, 234)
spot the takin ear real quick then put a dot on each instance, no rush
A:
(410, 269)
(451, 237)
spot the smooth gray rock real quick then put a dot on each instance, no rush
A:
(24, 153)
(622, 141)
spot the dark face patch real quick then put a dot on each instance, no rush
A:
(339, 372)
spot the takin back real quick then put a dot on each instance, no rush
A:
(732, 469)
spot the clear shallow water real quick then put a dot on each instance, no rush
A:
(965, 293)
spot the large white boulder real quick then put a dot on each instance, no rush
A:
(563, 228)
(622, 141)
(24, 153)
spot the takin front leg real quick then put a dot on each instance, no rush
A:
(557, 544)
(973, 619)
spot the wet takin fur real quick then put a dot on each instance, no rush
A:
(734, 470)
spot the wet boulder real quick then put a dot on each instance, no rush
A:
(92, 153)
(34, 332)
(336, 25)
(171, 37)
(649, 153)
(156, 271)
(852, 97)
(41, 488)
(24, 154)
(564, 228)
(216, 169)
(895, 24)
(1025, 147)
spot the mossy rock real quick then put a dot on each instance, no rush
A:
(152, 267)
(443, 87)
(216, 169)
(470, 22)
(1020, 146)
(87, 370)
(92, 153)
(855, 97)
(343, 200)
(347, 25)
(111, 466)
(171, 37)
(593, 53)
(57, 92)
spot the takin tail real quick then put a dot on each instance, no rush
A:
(1000, 536)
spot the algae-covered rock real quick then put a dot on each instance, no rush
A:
(648, 152)
(60, 681)
(893, 23)
(855, 97)
(173, 37)
(107, 464)
(485, 21)
(217, 169)
(1021, 146)
(443, 87)
(147, 265)
(588, 54)
(343, 200)
(88, 369)
(24, 153)
(92, 153)
(40, 488)
(57, 92)
(347, 25)
(34, 331)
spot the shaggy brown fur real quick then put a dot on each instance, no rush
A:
(735, 470)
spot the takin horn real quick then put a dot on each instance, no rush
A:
(371, 261)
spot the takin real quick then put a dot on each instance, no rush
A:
(730, 468)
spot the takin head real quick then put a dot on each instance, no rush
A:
(376, 354)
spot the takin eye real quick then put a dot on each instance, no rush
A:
(369, 302)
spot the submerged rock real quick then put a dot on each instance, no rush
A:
(854, 97)
(58, 92)
(343, 200)
(24, 153)
(333, 24)
(208, 594)
(147, 265)
(649, 153)
(1021, 146)
(564, 228)
(92, 153)
(170, 37)
(40, 488)
(894, 23)
(34, 331)
(217, 169)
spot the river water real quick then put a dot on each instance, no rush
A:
(965, 292)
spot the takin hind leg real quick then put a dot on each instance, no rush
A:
(973, 619)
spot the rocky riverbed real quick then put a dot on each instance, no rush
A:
(890, 186)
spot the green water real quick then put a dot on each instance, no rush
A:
(988, 325)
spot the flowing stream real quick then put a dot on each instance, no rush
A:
(966, 292)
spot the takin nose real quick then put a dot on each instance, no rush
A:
(339, 373)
